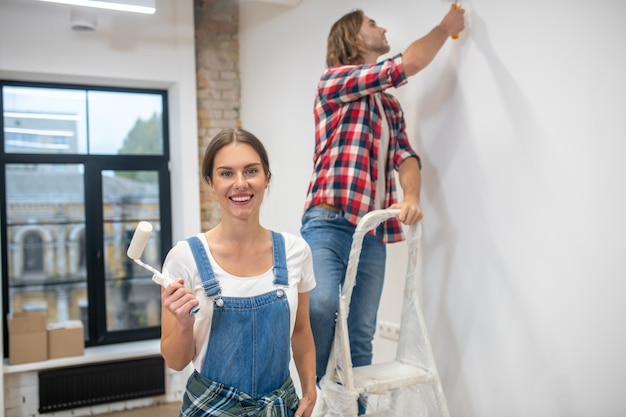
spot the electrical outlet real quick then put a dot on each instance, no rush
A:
(388, 330)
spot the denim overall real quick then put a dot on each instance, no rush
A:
(249, 347)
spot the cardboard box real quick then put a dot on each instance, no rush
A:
(66, 339)
(28, 338)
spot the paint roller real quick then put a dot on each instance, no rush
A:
(135, 250)
(456, 6)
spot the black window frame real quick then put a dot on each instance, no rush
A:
(94, 240)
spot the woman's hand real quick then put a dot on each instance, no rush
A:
(179, 301)
(307, 402)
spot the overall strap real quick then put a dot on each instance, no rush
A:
(210, 284)
(281, 276)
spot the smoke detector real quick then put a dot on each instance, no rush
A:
(83, 20)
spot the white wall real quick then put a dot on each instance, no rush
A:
(520, 126)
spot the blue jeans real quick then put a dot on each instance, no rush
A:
(329, 235)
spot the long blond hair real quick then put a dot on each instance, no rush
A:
(343, 40)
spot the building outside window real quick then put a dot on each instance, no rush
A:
(80, 167)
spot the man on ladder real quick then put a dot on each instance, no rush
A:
(360, 140)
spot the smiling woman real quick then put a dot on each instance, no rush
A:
(249, 282)
(239, 179)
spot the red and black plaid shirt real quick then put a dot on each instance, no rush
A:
(347, 137)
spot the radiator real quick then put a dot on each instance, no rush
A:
(82, 386)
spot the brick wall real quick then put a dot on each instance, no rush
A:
(217, 78)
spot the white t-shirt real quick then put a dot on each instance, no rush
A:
(180, 263)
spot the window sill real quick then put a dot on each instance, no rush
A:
(96, 354)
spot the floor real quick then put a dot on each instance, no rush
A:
(165, 410)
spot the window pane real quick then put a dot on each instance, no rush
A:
(46, 240)
(133, 300)
(55, 137)
(44, 120)
(125, 123)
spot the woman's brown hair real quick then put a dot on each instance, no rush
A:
(226, 137)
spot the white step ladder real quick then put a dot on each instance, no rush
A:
(410, 385)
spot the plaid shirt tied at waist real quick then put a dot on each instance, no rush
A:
(205, 397)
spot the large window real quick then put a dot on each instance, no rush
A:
(80, 167)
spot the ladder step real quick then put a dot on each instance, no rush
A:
(382, 377)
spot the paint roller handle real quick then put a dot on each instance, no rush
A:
(457, 6)
(163, 279)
